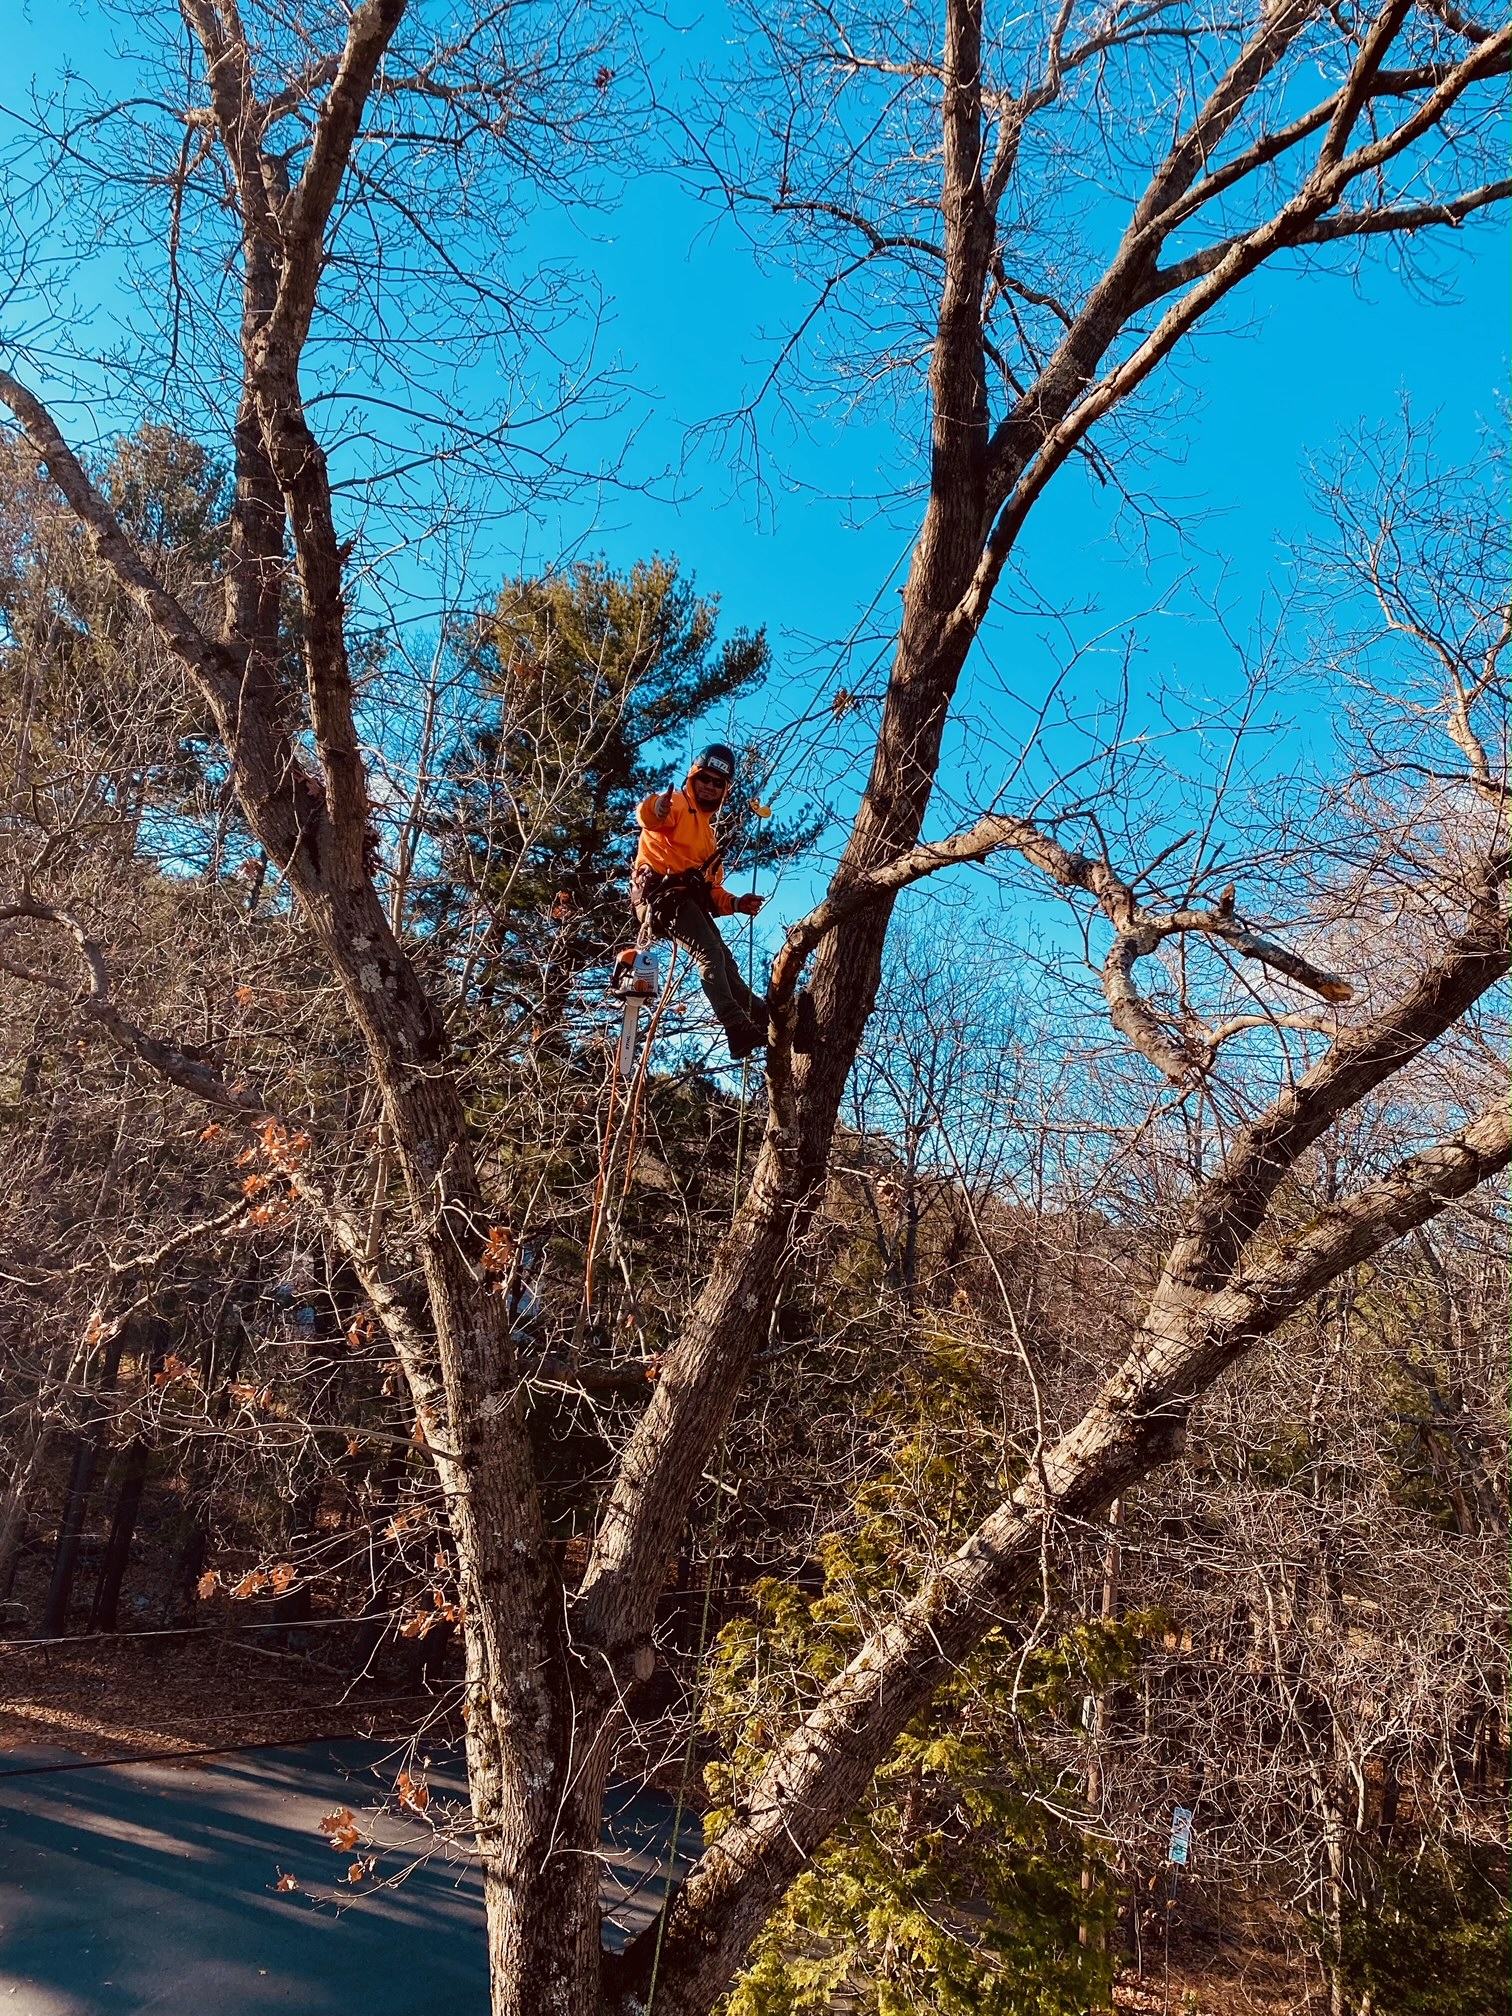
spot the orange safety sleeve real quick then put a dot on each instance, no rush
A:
(683, 840)
(645, 813)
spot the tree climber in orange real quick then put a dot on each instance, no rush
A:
(677, 890)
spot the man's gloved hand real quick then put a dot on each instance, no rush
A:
(749, 906)
(661, 810)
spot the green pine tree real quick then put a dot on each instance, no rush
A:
(597, 684)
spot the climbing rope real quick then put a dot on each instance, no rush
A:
(714, 1533)
(606, 1152)
(745, 1069)
(611, 1134)
(642, 1063)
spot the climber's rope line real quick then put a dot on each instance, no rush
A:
(600, 1183)
(632, 1152)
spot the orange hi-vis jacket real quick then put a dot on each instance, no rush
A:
(684, 840)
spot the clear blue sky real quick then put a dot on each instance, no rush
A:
(691, 319)
(1313, 359)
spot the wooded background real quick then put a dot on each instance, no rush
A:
(1078, 1387)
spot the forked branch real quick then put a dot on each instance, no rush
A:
(1138, 930)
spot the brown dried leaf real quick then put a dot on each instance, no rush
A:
(498, 1254)
(413, 1792)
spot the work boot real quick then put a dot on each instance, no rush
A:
(745, 1036)
(806, 1028)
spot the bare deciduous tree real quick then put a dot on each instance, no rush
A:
(1283, 128)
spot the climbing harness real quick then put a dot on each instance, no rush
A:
(656, 897)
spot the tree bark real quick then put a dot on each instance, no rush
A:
(133, 1481)
(546, 1673)
(81, 1474)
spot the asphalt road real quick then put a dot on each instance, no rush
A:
(155, 1887)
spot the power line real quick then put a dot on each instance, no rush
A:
(204, 1750)
(193, 1631)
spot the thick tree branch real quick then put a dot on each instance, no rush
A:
(394, 1304)
(1404, 218)
(372, 27)
(275, 327)
(1271, 146)
(1061, 409)
(1139, 930)
(190, 1074)
(287, 816)
(821, 1771)
(1229, 1208)
(168, 615)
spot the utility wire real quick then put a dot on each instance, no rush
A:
(204, 1750)
(191, 1631)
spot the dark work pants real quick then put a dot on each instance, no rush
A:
(730, 998)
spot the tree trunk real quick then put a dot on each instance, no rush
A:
(539, 1847)
(70, 1530)
(102, 1616)
(86, 1457)
(1333, 1911)
(13, 1509)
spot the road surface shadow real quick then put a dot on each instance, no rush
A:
(155, 1887)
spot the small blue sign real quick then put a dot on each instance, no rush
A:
(1181, 1836)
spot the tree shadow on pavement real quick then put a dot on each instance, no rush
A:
(154, 1887)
